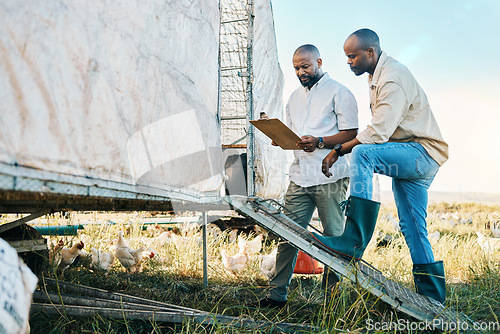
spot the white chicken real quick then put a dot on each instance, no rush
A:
(242, 242)
(434, 237)
(268, 264)
(101, 260)
(488, 245)
(495, 230)
(149, 253)
(130, 258)
(180, 241)
(255, 245)
(235, 264)
(162, 239)
(68, 255)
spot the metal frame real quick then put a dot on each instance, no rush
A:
(269, 214)
(249, 103)
(236, 70)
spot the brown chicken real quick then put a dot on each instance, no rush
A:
(68, 256)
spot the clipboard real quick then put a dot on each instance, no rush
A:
(278, 132)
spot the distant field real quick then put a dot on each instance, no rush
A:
(450, 197)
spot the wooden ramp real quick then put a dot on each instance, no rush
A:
(84, 301)
(270, 215)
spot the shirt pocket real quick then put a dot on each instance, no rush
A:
(321, 114)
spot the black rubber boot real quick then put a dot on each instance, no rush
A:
(429, 280)
(361, 219)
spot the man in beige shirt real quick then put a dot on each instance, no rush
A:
(404, 142)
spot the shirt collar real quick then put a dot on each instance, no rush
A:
(373, 79)
(320, 82)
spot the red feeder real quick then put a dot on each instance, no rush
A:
(306, 265)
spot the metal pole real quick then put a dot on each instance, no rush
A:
(249, 98)
(205, 256)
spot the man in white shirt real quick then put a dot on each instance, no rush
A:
(324, 113)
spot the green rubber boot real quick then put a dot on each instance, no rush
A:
(361, 219)
(429, 280)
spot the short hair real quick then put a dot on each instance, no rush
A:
(308, 48)
(367, 38)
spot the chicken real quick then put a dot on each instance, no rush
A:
(55, 253)
(434, 237)
(68, 256)
(254, 246)
(242, 242)
(237, 263)
(495, 229)
(488, 245)
(130, 258)
(180, 241)
(162, 239)
(149, 253)
(153, 229)
(102, 260)
(268, 264)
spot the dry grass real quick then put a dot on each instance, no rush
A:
(175, 276)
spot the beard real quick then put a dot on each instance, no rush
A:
(309, 80)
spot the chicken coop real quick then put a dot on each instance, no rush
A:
(145, 106)
(134, 106)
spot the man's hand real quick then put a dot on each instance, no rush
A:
(328, 162)
(308, 143)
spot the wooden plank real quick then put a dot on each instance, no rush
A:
(93, 302)
(173, 317)
(15, 223)
(32, 245)
(103, 294)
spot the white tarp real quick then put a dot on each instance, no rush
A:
(123, 95)
(117, 91)
(17, 284)
(271, 161)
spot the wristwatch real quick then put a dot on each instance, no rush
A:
(338, 149)
(321, 143)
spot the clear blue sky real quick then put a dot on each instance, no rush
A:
(452, 47)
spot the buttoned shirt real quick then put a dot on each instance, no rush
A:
(400, 110)
(321, 111)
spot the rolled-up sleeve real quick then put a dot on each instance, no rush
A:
(388, 110)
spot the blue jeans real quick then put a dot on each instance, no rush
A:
(412, 171)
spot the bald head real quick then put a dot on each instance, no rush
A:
(367, 38)
(362, 49)
(308, 48)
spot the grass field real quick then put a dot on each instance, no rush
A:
(175, 276)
